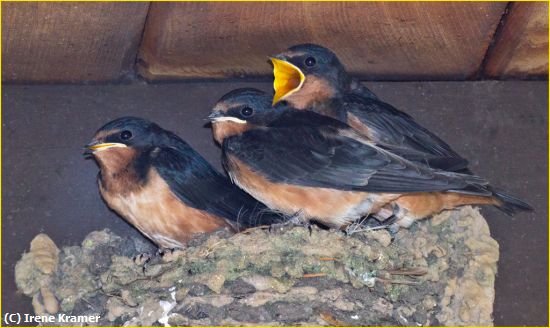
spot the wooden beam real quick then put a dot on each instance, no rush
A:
(521, 47)
(70, 41)
(383, 40)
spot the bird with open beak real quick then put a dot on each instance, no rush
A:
(164, 188)
(311, 77)
(306, 164)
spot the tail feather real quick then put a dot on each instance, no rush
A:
(510, 204)
(474, 189)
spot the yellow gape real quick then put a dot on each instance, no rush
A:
(288, 79)
(103, 146)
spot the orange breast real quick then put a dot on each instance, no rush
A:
(223, 130)
(424, 204)
(331, 206)
(155, 211)
(313, 90)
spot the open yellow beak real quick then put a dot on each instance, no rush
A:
(103, 146)
(288, 79)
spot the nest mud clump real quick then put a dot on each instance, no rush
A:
(439, 272)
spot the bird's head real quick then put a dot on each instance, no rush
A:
(119, 141)
(240, 110)
(124, 132)
(307, 73)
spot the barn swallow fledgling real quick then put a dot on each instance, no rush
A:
(164, 188)
(312, 77)
(300, 162)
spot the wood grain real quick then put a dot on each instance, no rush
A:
(374, 40)
(71, 41)
(521, 48)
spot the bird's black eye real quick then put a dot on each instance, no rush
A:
(125, 135)
(310, 61)
(247, 111)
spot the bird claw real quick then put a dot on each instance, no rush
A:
(371, 223)
(168, 254)
(393, 229)
(142, 260)
(161, 251)
(164, 254)
(294, 221)
(383, 214)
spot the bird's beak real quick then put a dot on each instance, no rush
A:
(220, 117)
(288, 79)
(214, 115)
(96, 146)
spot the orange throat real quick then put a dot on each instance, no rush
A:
(114, 160)
(226, 129)
(314, 90)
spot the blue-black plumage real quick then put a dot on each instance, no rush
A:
(161, 185)
(303, 162)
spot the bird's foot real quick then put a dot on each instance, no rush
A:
(164, 255)
(169, 254)
(370, 223)
(402, 222)
(393, 229)
(142, 260)
(403, 219)
(383, 214)
(294, 221)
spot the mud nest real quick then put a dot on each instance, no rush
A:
(439, 272)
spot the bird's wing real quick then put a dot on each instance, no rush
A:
(394, 127)
(197, 184)
(326, 157)
(446, 163)
(356, 87)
